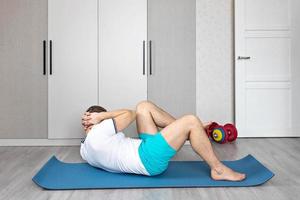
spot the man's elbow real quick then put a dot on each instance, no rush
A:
(133, 114)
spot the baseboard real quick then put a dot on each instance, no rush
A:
(40, 142)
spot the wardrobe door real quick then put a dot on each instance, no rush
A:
(73, 70)
(172, 55)
(122, 54)
(23, 85)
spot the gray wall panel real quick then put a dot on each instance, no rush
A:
(172, 30)
(23, 87)
(214, 44)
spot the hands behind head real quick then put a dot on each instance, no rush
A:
(89, 119)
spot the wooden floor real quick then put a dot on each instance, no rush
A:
(281, 155)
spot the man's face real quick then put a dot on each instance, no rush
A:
(86, 126)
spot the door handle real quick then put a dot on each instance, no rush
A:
(143, 57)
(44, 57)
(150, 56)
(244, 58)
(50, 57)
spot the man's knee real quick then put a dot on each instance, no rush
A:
(143, 106)
(192, 120)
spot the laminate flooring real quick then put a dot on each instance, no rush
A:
(281, 155)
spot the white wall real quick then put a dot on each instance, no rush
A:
(214, 64)
(295, 66)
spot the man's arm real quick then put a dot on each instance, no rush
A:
(122, 118)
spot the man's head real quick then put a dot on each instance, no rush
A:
(93, 109)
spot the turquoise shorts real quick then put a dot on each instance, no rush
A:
(155, 153)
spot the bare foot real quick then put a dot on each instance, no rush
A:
(224, 173)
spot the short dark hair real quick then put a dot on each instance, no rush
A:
(96, 108)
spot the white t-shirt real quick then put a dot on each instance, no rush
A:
(110, 150)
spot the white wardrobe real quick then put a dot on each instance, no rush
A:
(147, 50)
(72, 64)
(113, 53)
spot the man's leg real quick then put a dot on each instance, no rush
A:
(190, 127)
(176, 132)
(149, 117)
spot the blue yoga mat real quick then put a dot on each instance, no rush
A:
(57, 175)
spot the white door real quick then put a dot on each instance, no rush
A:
(265, 57)
(73, 83)
(122, 54)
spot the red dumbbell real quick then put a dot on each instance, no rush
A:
(231, 132)
(222, 134)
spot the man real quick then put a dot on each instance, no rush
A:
(107, 147)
